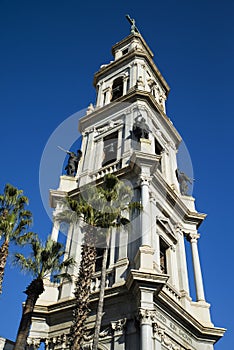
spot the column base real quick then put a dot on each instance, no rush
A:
(202, 311)
(144, 259)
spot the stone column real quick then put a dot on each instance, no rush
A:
(143, 73)
(119, 143)
(99, 153)
(154, 233)
(145, 219)
(173, 166)
(99, 93)
(144, 257)
(173, 267)
(145, 329)
(89, 156)
(108, 95)
(55, 231)
(84, 149)
(182, 263)
(134, 74)
(56, 225)
(125, 81)
(126, 139)
(193, 237)
(121, 264)
(157, 242)
(112, 246)
(119, 329)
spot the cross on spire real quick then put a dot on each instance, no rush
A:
(133, 25)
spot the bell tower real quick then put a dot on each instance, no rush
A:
(148, 304)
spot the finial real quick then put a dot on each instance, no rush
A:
(133, 25)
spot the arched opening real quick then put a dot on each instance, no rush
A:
(117, 88)
(110, 148)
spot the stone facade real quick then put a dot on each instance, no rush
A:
(148, 305)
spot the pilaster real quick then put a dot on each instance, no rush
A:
(119, 330)
(182, 264)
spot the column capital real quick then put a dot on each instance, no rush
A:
(119, 326)
(172, 247)
(146, 316)
(100, 83)
(145, 180)
(193, 237)
(171, 145)
(33, 343)
(108, 88)
(126, 76)
(179, 228)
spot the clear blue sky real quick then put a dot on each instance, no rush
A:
(50, 50)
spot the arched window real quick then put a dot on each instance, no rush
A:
(110, 148)
(117, 88)
(163, 256)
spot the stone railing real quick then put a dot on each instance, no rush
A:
(96, 280)
(172, 292)
(111, 168)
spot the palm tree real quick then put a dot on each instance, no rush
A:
(45, 261)
(117, 201)
(74, 211)
(14, 221)
(101, 209)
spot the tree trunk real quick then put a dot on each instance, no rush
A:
(101, 295)
(33, 292)
(4, 250)
(83, 290)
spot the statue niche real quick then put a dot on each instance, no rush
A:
(140, 128)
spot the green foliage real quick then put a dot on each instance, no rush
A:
(14, 218)
(14, 223)
(101, 207)
(45, 259)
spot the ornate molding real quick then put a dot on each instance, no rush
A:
(102, 334)
(108, 127)
(119, 326)
(158, 330)
(193, 237)
(159, 333)
(34, 343)
(152, 197)
(145, 180)
(146, 315)
(59, 342)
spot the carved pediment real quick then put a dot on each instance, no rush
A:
(167, 227)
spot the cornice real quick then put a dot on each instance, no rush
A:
(132, 96)
(129, 38)
(178, 312)
(69, 303)
(138, 278)
(56, 195)
(175, 202)
(134, 53)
